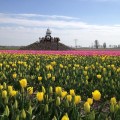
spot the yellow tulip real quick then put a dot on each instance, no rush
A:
(49, 75)
(1, 64)
(85, 72)
(96, 95)
(65, 117)
(40, 96)
(69, 98)
(90, 101)
(99, 76)
(39, 78)
(61, 66)
(13, 93)
(112, 65)
(1, 87)
(14, 75)
(49, 67)
(4, 94)
(30, 90)
(23, 83)
(77, 99)
(86, 68)
(53, 78)
(72, 92)
(63, 94)
(53, 63)
(113, 101)
(10, 88)
(58, 90)
(87, 107)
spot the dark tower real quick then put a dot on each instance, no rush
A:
(48, 35)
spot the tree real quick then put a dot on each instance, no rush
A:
(118, 46)
(96, 44)
(104, 45)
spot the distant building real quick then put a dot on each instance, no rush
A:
(47, 43)
(49, 38)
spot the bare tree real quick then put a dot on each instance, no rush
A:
(96, 44)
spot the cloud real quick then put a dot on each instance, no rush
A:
(39, 16)
(24, 29)
(48, 22)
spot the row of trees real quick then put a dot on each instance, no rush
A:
(97, 45)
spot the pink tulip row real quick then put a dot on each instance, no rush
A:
(69, 52)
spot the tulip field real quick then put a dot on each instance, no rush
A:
(59, 85)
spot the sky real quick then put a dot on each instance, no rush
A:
(22, 22)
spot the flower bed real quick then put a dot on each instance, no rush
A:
(62, 85)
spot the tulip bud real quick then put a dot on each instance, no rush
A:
(17, 117)
(1, 87)
(53, 78)
(87, 77)
(46, 108)
(23, 114)
(58, 101)
(6, 100)
(43, 89)
(91, 116)
(6, 112)
(85, 73)
(46, 97)
(54, 118)
(112, 108)
(116, 107)
(109, 74)
(4, 85)
(119, 104)
(15, 106)
(86, 82)
(66, 103)
(50, 90)
(50, 99)
(30, 110)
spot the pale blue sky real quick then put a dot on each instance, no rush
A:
(23, 21)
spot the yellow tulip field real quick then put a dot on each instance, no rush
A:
(59, 87)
